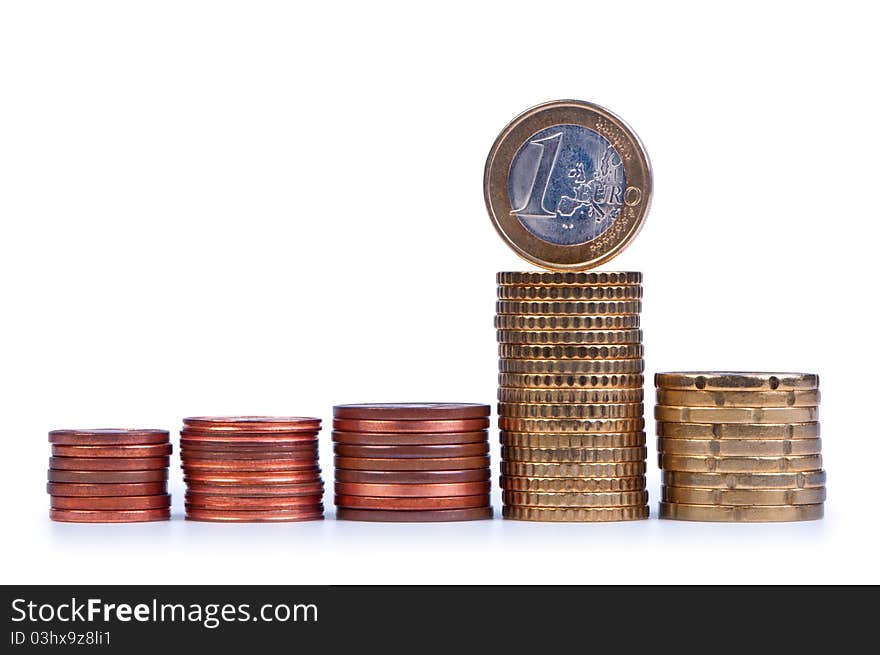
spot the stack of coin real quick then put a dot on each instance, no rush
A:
(740, 447)
(251, 468)
(412, 462)
(109, 476)
(570, 396)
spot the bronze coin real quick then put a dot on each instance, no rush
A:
(366, 425)
(315, 513)
(109, 516)
(159, 501)
(252, 448)
(404, 439)
(403, 464)
(411, 411)
(313, 488)
(413, 503)
(248, 457)
(109, 463)
(103, 477)
(208, 501)
(252, 477)
(279, 439)
(268, 451)
(108, 437)
(190, 464)
(430, 452)
(254, 423)
(413, 490)
(107, 489)
(412, 477)
(152, 450)
(411, 516)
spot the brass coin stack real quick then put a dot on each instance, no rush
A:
(739, 447)
(571, 396)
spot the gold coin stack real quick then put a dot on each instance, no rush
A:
(571, 396)
(739, 447)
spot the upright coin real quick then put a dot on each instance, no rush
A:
(567, 185)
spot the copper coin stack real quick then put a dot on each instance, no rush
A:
(412, 462)
(571, 396)
(245, 469)
(740, 447)
(109, 476)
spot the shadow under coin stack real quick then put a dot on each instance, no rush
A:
(109, 476)
(245, 469)
(412, 462)
(571, 396)
(740, 447)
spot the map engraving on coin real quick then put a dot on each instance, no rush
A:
(567, 185)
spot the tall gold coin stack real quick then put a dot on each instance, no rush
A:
(740, 447)
(571, 396)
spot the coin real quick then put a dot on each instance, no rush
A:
(684, 512)
(240, 465)
(579, 382)
(109, 516)
(573, 366)
(611, 410)
(570, 396)
(107, 489)
(103, 477)
(740, 447)
(413, 490)
(516, 351)
(159, 501)
(254, 423)
(152, 450)
(108, 437)
(806, 480)
(222, 447)
(567, 308)
(315, 513)
(559, 470)
(591, 278)
(276, 438)
(109, 463)
(569, 440)
(578, 293)
(380, 452)
(808, 398)
(741, 464)
(405, 439)
(570, 485)
(412, 503)
(313, 488)
(252, 477)
(188, 453)
(572, 323)
(413, 516)
(576, 514)
(736, 414)
(452, 425)
(737, 431)
(566, 455)
(403, 464)
(411, 411)
(551, 337)
(571, 425)
(721, 381)
(743, 497)
(574, 499)
(222, 501)
(412, 477)
(567, 185)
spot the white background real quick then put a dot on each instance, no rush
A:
(254, 207)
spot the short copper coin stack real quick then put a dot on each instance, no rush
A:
(109, 476)
(740, 447)
(245, 469)
(412, 462)
(571, 396)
